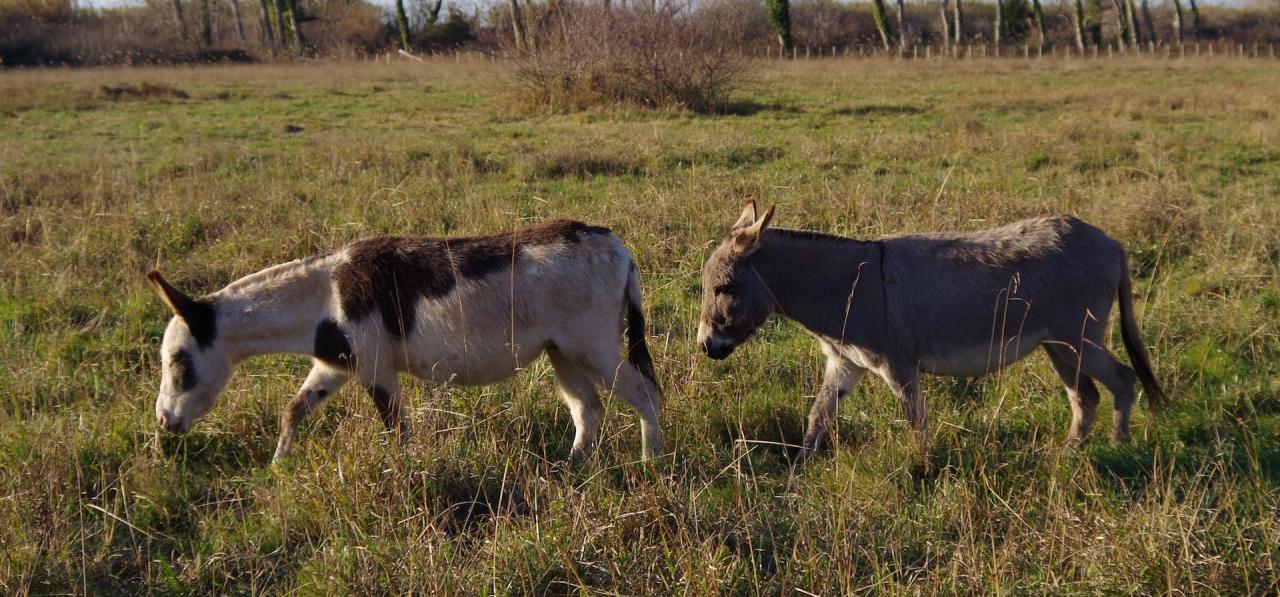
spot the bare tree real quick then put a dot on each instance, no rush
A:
(902, 29)
(268, 36)
(1195, 19)
(1077, 19)
(1131, 21)
(958, 29)
(235, 12)
(206, 24)
(1147, 22)
(882, 22)
(1093, 21)
(779, 12)
(278, 7)
(402, 23)
(1177, 22)
(946, 25)
(182, 22)
(1122, 26)
(517, 26)
(299, 43)
(997, 28)
(1037, 19)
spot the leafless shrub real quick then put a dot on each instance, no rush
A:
(660, 57)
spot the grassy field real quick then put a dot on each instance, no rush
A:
(250, 166)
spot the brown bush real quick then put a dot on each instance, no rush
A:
(659, 57)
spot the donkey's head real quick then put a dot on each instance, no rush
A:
(734, 300)
(195, 366)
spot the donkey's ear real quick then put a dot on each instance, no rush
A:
(748, 216)
(182, 305)
(748, 238)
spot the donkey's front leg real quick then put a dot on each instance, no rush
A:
(321, 383)
(905, 383)
(839, 378)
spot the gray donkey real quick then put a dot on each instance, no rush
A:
(946, 303)
(467, 311)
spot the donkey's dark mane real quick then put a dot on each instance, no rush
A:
(814, 235)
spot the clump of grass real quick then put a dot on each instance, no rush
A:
(142, 91)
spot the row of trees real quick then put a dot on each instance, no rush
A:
(1131, 23)
(60, 31)
(167, 31)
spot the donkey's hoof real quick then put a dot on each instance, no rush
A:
(1121, 439)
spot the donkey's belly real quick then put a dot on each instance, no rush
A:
(472, 363)
(979, 359)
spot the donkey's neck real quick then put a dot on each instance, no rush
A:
(827, 284)
(275, 310)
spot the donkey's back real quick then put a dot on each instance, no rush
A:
(971, 302)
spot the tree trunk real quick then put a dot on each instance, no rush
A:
(1177, 22)
(958, 29)
(1195, 19)
(998, 27)
(779, 13)
(1093, 21)
(1147, 22)
(1122, 29)
(1131, 18)
(882, 23)
(298, 41)
(433, 15)
(402, 23)
(181, 21)
(278, 7)
(1078, 20)
(946, 25)
(268, 35)
(235, 12)
(902, 29)
(206, 24)
(1037, 15)
(517, 25)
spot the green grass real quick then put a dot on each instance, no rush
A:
(264, 164)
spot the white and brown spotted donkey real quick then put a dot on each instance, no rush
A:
(947, 303)
(468, 311)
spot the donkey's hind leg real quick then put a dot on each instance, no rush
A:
(580, 395)
(605, 367)
(1081, 391)
(322, 382)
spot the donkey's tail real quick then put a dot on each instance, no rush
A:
(637, 348)
(1133, 341)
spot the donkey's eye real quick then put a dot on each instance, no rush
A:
(723, 289)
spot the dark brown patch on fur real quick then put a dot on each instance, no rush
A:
(331, 345)
(390, 274)
(184, 370)
(201, 319)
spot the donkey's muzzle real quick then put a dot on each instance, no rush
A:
(715, 348)
(171, 422)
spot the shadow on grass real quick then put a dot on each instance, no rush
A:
(752, 107)
(877, 110)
